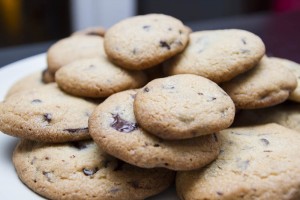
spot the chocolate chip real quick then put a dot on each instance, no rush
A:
(79, 145)
(119, 165)
(36, 101)
(114, 190)
(90, 172)
(133, 95)
(134, 184)
(219, 193)
(122, 125)
(72, 156)
(156, 145)
(146, 89)
(211, 99)
(200, 93)
(215, 137)
(146, 27)
(265, 141)
(76, 130)
(33, 160)
(47, 117)
(48, 176)
(47, 158)
(168, 87)
(245, 51)
(164, 44)
(134, 51)
(244, 41)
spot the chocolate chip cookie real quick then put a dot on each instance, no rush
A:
(183, 106)
(144, 41)
(268, 84)
(218, 55)
(46, 114)
(258, 162)
(97, 77)
(114, 128)
(81, 170)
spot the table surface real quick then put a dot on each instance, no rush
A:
(280, 33)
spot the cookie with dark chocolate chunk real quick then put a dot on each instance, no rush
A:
(46, 114)
(144, 41)
(114, 128)
(183, 106)
(267, 84)
(256, 162)
(218, 55)
(82, 170)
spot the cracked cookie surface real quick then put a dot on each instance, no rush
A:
(144, 41)
(257, 162)
(218, 55)
(113, 126)
(183, 106)
(46, 114)
(81, 170)
(267, 84)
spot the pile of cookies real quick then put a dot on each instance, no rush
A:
(118, 114)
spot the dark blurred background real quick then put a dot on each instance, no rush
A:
(39, 23)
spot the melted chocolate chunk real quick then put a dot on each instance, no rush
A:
(90, 172)
(36, 101)
(156, 145)
(76, 130)
(79, 145)
(146, 89)
(122, 125)
(47, 117)
(164, 44)
(146, 27)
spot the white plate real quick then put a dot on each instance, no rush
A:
(10, 185)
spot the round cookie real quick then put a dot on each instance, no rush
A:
(144, 41)
(259, 162)
(97, 77)
(70, 49)
(268, 84)
(218, 55)
(98, 30)
(48, 77)
(33, 80)
(183, 106)
(46, 114)
(286, 114)
(113, 127)
(81, 170)
(295, 69)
